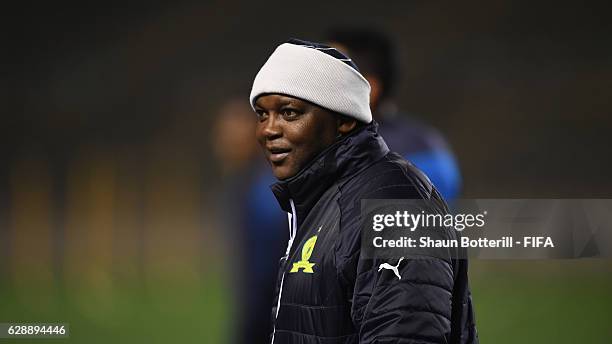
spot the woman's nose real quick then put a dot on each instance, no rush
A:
(271, 127)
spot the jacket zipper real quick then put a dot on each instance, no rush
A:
(292, 221)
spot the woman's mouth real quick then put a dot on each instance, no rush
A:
(277, 155)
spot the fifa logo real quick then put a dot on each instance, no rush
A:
(306, 253)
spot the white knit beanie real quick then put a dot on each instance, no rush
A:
(318, 74)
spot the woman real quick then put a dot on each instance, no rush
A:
(316, 130)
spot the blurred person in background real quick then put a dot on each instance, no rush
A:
(417, 142)
(233, 126)
(316, 129)
(250, 216)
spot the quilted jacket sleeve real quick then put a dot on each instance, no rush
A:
(429, 302)
(413, 309)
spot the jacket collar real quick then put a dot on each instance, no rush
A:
(338, 161)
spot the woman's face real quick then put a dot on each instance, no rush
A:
(292, 132)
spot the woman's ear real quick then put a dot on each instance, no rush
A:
(345, 125)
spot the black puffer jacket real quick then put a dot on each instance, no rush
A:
(326, 293)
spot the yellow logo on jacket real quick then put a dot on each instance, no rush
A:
(306, 253)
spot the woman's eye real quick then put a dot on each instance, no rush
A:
(261, 114)
(289, 113)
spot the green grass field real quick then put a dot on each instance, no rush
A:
(159, 312)
(516, 301)
(543, 301)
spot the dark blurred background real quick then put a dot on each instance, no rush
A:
(109, 184)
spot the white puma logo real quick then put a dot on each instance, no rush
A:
(391, 267)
